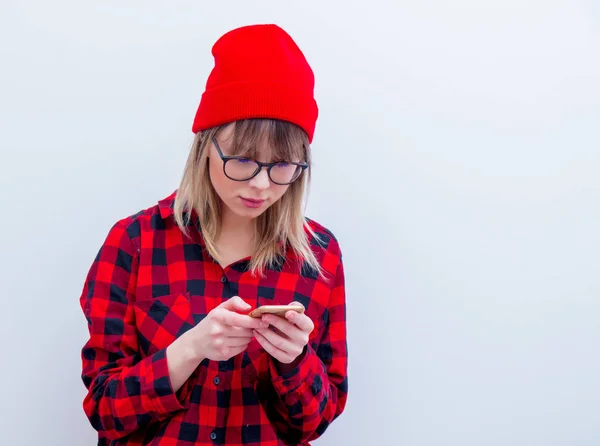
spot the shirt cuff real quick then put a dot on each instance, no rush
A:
(164, 399)
(297, 378)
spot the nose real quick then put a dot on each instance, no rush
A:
(261, 181)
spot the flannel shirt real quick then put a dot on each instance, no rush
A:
(149, 284)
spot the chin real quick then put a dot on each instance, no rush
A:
(249, 214)
(242, 211)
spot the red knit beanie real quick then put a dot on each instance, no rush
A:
(259, 72)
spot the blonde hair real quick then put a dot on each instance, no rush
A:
(282, 225)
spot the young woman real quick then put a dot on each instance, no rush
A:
(174, 356)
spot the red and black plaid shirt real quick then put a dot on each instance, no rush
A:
(148, 285)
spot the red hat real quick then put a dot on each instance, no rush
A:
(259, 72)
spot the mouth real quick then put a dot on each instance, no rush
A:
(251, 202)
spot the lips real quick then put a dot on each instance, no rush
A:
(252, 203)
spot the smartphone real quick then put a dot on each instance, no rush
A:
(278, 310)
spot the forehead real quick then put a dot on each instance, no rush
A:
(258, 151)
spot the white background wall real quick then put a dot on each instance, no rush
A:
(457, 160)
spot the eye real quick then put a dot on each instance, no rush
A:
(243, 160)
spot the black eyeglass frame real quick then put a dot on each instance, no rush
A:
(269, 166)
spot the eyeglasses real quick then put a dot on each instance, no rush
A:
(239, 168)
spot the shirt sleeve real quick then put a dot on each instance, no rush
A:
(314, 393)
(125, 392)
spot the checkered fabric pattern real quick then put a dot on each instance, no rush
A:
(149, 284)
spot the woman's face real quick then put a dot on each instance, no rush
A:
(247, 199)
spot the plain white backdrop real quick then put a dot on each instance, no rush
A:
(457, 160)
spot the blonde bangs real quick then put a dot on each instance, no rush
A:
(285, 141)
(282, 225)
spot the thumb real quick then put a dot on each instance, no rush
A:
(236, 303)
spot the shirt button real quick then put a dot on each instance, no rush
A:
(213, 436)
(224, 279)
(217, 380)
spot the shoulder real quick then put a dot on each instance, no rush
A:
(148, 219)
(321, 237)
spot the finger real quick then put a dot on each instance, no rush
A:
(236, 303)
(301, 320)
(297, 304)
(279, 332)
(240, 320)
(237, 332)
(280, 342)
(235, 343)
(284, 326)
(276, 353)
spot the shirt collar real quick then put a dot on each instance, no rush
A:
(165, 206)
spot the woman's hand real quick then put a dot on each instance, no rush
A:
(224, 332)
(290, 335)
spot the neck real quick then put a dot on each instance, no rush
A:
(235, 226)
